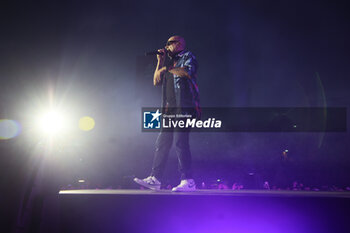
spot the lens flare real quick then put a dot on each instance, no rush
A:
(86, 123)
(9, 129)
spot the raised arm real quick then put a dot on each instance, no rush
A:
(160, 69)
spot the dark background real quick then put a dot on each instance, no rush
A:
(88, 59)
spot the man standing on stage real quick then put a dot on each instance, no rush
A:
(176, 72)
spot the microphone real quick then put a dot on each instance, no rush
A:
(153, 53)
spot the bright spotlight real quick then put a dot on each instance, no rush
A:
(51, 122)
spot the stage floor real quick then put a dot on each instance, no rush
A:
(203, 211)
(261, 193)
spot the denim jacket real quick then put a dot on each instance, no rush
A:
(186, 89)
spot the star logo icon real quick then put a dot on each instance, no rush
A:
(156, 115)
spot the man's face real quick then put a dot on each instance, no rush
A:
(174, 45)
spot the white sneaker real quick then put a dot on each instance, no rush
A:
(150, 182)
(185, 186)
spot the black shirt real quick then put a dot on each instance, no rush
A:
(170, 91)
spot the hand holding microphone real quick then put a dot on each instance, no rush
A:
(161, 54)
(159, 51)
